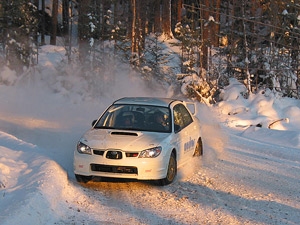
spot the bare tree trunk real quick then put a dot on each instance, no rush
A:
(43, 24)
(66, 16)
(174, 13)
(232, 38)
(70, 34)
(139, 28)
(246, 53)
(166, 19)
(54, 22)
(205, 38)
(254, 6)
(217, 24)
(142, 25)
(37, 4)
(179, 10)
(133, 29)
(5, 29)
(148, 21)
(157, 19)
(83, 7)
(130, 17)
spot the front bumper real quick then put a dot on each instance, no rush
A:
(127, 167)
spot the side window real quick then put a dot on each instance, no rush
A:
(178, 119)
(182, 117)
(187, 118)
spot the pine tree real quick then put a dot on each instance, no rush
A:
(19, 31)
(155, 59)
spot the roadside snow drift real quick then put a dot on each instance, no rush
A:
(32, 185)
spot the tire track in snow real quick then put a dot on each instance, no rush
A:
(129, 198)
(254, 178)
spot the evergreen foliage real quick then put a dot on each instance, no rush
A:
(19, 31)
(155, 60)
(256, 42)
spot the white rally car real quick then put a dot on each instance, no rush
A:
(140, 138)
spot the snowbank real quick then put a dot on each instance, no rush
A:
(264, 109)
(36, 190)
(32, 184)
(263, 116)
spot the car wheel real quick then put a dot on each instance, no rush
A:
(199, 148)
(172, 171)
(83, 179)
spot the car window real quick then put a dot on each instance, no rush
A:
(136, 117)
(182, 117)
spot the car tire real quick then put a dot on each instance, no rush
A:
(82, 179)
(172, 171)
(198, 148)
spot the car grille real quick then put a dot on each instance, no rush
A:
(114, 169)
(114, 155)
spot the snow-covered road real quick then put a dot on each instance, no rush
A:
(247, 182)
(241, 179)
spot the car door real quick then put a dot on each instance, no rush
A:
(191, 130)
(182, 128)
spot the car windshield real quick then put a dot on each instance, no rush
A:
(136, 117)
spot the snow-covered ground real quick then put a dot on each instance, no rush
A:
(249, 174)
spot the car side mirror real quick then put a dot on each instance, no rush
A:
(93, 123)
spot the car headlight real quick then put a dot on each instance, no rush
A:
(151, 152)
(83, 148)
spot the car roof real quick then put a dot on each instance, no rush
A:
(146, 101)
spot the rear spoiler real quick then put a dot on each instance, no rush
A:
(192, 107)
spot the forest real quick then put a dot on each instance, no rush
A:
(255, 41)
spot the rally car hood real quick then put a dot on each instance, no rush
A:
(124, 140)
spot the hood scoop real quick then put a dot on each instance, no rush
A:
(124, 133)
